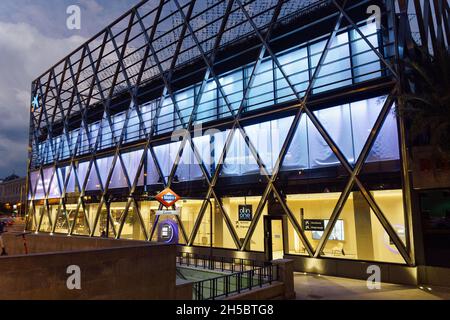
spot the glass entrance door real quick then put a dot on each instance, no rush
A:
(274, 231)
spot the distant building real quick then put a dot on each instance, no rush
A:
(13, 191)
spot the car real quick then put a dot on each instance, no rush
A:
(7, 221)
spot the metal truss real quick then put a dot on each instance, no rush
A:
(153, 40)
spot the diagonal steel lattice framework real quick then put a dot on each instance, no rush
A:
(107, 65)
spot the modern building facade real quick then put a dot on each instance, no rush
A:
(273, 120)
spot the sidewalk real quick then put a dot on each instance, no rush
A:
(315, 287)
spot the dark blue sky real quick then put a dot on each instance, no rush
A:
(33, 37)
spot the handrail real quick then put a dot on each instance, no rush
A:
(245, 274)
(218, 263)
(235, 283)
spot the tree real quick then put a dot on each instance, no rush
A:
(427, 105)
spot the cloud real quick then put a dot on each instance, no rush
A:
(25, 53)
(92, 6)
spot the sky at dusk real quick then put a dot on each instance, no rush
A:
(33, 37)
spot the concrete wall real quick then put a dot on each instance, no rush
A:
(44, 243)
(131, 272)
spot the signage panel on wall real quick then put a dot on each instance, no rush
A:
(176, 212)
(313, 225)
(167, 198)
(245, 212)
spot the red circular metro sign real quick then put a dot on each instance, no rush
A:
(167, 198)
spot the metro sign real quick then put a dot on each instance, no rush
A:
(167, 198)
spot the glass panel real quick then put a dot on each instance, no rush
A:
(107, 138)
(33, 218)
(102, 229)
(203, 145)
(91, 210)
(81, 227)
(386, 146)
(133, 126)
(277, 239)
(118, 124)
(239, 159)
(185, 102)
(131, 161)
(84, 145)
(233, 87)
(81, 172)
(261, 93)
(54, 211)
(118, 178)
(152, 175)
(94, 128)
(148, 114)
(189, 212)
(391, 204)
(54, 191)
(46, 225)
(231, 207)
(295, 245)
(188, 168)
(365, 61)
(93, 182)
(34, 176)
(207, 109)
(295, 67)
(268, 138)
(39, 193)
(204, 236)
(364, 114)
(116, 210)
(337, 123)
(320, 153)
(47, 174)
(297, 156)
(335, 71)
(166, 118)
(41, 214)
(104, 166)
(166, 155)
(359, 235)
(132, 228)
(148, 213)
(307, 208)
(62, 225)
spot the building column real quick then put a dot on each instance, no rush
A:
(363, 228)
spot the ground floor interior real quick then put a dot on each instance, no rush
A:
(357, 234)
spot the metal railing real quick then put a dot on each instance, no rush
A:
(218, 263)
(235, 283)
(245, 274)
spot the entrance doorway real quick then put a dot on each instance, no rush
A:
(275, 231)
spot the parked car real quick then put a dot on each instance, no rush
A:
(7, 221)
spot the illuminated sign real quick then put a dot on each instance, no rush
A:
(314, 225)
(167, 198)
(168, 232)
(35, 103)
(245, 212)
(176, 212)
